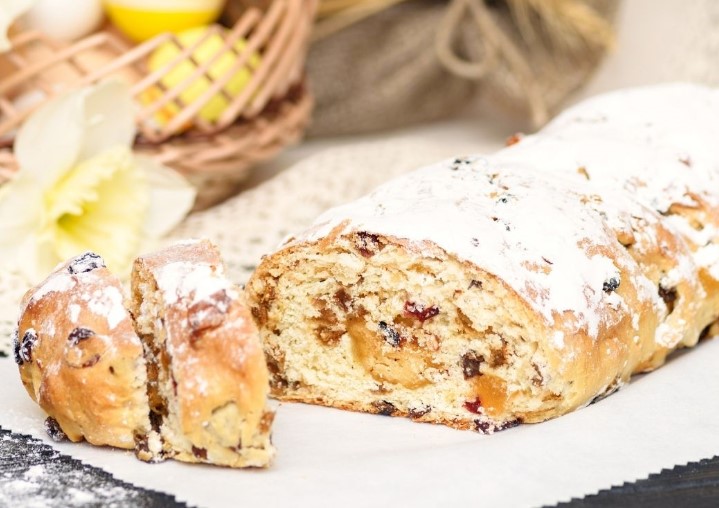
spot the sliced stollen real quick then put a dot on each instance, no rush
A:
(483, 292)
(208, 382)
(79, 356)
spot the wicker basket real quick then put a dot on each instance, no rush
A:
(270, 112)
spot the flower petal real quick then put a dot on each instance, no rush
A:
(9, 11)
(20, 208)
(101, 206)
(109, 118)
(20, 215)
(50, 140)
(171, 198)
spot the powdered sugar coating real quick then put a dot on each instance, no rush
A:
(192, 283)
(543, 214)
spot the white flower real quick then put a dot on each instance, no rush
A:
(10, 10)
(80, 187)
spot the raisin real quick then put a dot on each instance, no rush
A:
(367, 244)
(86, 263)
(669, 296)
(16, 347)
(420, 311)
(200, 453)
(53, 429)
(155, 420)
(78, 335)
(89, 363)
(471, 362)
(28, 344)
(473, 406)
(391, 336)
(384, 408)
(419, 412)
(486, 427)
(611, 284)
(459, 163)
(475, 284)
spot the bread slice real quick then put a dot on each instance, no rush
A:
(80, 358)
(207, 379)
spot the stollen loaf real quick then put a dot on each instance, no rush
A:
(488, 291)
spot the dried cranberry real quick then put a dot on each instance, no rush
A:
(53, 429)
(86, 263)
(473, 406)
(420, 311)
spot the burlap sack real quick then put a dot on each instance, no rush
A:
(425, 59)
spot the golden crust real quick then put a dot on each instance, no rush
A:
(80, 358)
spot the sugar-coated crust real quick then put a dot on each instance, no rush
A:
(486, 291)
(216, 409)
(79, 356)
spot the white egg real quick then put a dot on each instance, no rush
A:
(66, 20)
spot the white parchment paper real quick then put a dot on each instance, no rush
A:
(331, 457)
(327, 457)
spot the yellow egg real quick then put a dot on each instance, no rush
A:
(214, 108)
(143, 19)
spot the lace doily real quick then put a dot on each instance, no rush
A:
(254, 223)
